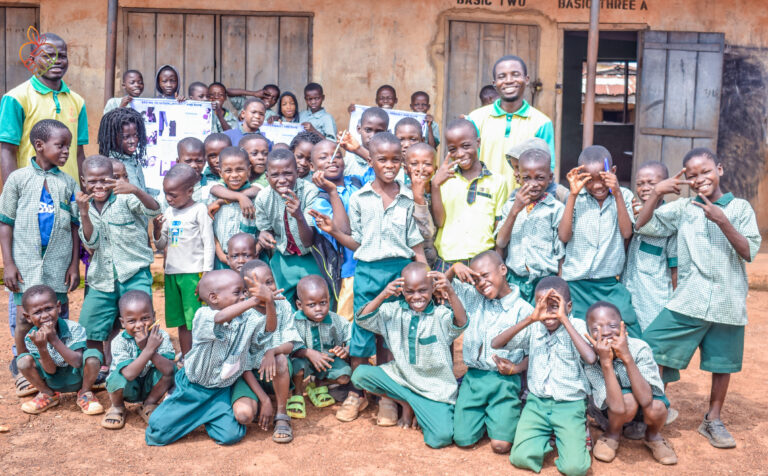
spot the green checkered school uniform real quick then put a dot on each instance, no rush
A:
(647, 275)
(708, 309)
(19, 206)
(322, 336)
(124, 351)
(534, 249)
(229, 221)
(66, 378)
(488, 401)
(133, 168)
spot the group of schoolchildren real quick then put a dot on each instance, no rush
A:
(296, 269)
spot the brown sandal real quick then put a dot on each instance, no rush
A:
(114, 419)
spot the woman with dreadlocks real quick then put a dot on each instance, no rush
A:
(122, 136)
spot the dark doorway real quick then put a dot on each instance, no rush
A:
(614, 101)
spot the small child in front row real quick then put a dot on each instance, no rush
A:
(185, 232)
(596, 222)
(489, 395)
(419, 334)
(142, 361)
(133, 85)
(557, 383)
(57, 359)
(624, 380)
(222, 339)
(325, 336)
(528, 231)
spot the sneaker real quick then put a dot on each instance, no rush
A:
(662, 451)
(716, 433)
(635, 430)
(605, 449)
(89, 404)
(672, 415)
(387, 414)
(41, 403)
(351, 407)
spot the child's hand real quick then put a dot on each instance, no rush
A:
(465, 273)
(268, 368)
(636, 207)
(340, 351)
(505, 366)
(266, 412)
(440, 282)
(158, 221)
(309, 127)
(83, 202)
(246, 206)
(713, 213)
(319, 360)
(266, 240)
(39, 337)
(125, 101)
(562, 316)
(419, 182)
(577, 178)
(121, 188)
(602, 347)
(611, 181)
(522, 199)
(395, 288)
(180, 98)
(72, 277)
(445, 171)
(273, 119)
(323, 222)
(671, 185)
(351, 108)
(292, 204)
(348, 141)
(429, 119)
(213, 208)
(12, 277)
(318, 178)
(540, 311)
(154, 340)
(620, 345)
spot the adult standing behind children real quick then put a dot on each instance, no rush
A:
(510, 119)
(43, 96)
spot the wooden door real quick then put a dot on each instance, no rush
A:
(678, 103)
(14, 22)
(473, 48)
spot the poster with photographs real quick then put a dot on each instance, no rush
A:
(281, 132)
(167, 122)
(394, 116)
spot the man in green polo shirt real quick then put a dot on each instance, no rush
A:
(510, 120)
(43, 96)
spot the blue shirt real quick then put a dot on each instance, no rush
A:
(323, 206)
(237, 133)
(45, 217)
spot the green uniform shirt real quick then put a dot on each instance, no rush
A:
(487, 319)
(229, 221)
(596, 248)
(420, 343)
(320, 120)
(284, 332)
(125, 350)
(71, 334)
(271, 213)
(383, 233)
(322, 336)
(133, 168)
(355, 165)
(119, 241)
(19, 205)
(711, 276)
(535, 249)
(643, 357)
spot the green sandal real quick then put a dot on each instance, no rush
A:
(295, 407)
(319, 396)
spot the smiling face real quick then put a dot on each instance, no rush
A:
(42, 309)
(217, 94)
(604, 323)
(386, 98)
(96, 182)
(596, 187)
(168, 82)
(333, 166)
(253, 116)
(408, 135)
(288, 107)
(314, 99)
(510, 80)
(386, 160)
(462, 144)
(235, 171)
(52, 59)
(281, 175)
(177, 193)
(240, 250)
(551, 322)
(128, 140)
(133, 84)
(645, 180)
(55, 151)
(212, 151)
(303, 154)
(136, 316)
(368, 128)
(492, 280)
(417, 289)
(314, 302)
(420, 163)
(257, 150)
(535, 174)
(420, 103)
(705, 175)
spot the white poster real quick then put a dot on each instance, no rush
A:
(167, 121)
(394, 116)
(281, 132)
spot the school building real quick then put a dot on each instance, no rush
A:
(672, 74)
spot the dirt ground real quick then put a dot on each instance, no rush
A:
(64, 441)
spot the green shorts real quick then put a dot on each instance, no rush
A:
(488, 402)
(136, 390)
(241, 389)
(674, 338)
(67, 378)
(339, 368)
(181, 302)
(100, 309)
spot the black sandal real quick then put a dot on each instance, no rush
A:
(282, 427)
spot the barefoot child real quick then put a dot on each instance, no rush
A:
(716, 235)
(557, 384)
(528, 231)
(221, 341)
(323, 353)
(142, 361)
(57, 359)
(419, 334)
(133, 85)
(624, 380)
(185, 232)
(489, 395)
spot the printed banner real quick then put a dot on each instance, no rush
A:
(167, 121)
(394, 116)
(281, 132)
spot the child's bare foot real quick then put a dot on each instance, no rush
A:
(406, 419)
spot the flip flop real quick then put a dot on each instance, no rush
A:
(146, 411)
(296, 407)
(319, 396)
(23, 387)
(282, 427)
(114, 419)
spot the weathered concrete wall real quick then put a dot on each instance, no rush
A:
(358, 45)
